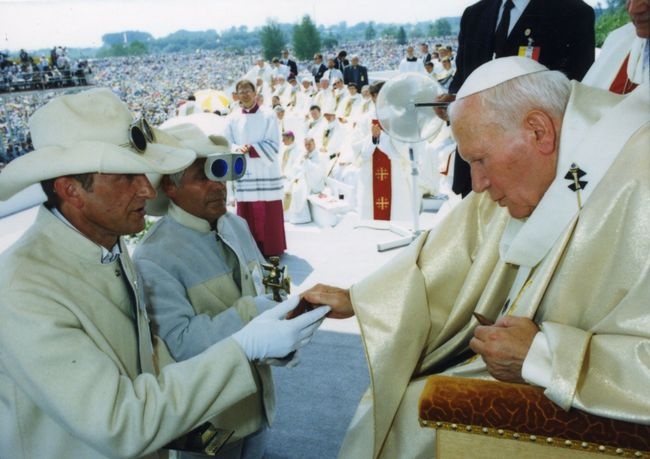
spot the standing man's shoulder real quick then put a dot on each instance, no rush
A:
(479, 7)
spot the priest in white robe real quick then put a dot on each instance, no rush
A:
(384, 179)
(254, 131)
(305, 176)
(552, 245)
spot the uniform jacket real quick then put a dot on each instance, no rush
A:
(77, 368)
(195, 302)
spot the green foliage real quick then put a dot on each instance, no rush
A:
(306, 39)
(238, 38)
(370, 32)
(135, 48)
(126, 37)
(614, 17)
(305, 36)
(330, 41)
(185, 40)
(401, 36)
(273, 40)
(440, 28)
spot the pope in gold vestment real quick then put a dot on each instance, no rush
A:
(580, 264)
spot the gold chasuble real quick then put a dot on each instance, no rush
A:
(579, 266)
(381, 185)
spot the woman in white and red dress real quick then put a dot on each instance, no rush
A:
(254, 131)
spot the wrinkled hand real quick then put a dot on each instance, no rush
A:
(270, 336)
(504, 346)
(442, 111)
(337, 298)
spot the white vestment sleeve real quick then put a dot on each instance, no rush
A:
(537, 368)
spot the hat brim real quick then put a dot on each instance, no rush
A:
(90, 157)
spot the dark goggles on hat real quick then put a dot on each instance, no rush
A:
(140, 133)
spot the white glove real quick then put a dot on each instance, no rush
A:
(270, 336)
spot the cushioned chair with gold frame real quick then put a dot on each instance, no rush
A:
(490, 419)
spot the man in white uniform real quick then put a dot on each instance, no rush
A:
(81, 375)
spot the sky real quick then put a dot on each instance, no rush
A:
(31, 24)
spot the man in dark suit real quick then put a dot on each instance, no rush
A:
(557, 33)
(319, 68)
(341, 61)
(355, 73)
(289, 62)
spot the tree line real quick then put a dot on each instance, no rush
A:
(306, 38)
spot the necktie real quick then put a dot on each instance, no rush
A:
(501, 33)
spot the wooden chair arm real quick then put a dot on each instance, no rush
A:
(520, 410)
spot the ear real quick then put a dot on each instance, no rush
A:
(542, 131)
(168, 186)
(70, 191)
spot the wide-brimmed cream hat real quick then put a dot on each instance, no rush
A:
(189, 136)
(88, 132)
(498, 71)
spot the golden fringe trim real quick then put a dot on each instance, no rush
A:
(538, 439)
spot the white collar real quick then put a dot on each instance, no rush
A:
(107, 256)
(185, 218)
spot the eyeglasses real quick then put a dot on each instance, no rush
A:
(140, 133)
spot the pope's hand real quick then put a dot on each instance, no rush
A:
(270, 336)
(337, 298)
(504, 346)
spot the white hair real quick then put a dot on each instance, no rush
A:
(506, 103)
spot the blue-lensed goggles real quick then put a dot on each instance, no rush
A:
(225, 166)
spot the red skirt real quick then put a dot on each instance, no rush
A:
(266, 221)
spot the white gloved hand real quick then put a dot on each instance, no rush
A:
(270, 336)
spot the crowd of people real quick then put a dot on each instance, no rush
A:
(26, 72)
(156, 85)
(548, 252)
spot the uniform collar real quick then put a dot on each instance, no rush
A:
(187, 219)
(106, 255)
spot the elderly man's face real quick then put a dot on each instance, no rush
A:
(310, 145)
(197, 194)
(113, 207)
(639, 11)
(505, 163)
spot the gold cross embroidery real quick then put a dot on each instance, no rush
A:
(381, 174)
(382, 203)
